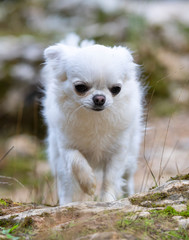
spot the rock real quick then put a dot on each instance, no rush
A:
(183, 223)
(173, 186)
(180, 207)
(122, 219)
(143, 214)
(170, 193)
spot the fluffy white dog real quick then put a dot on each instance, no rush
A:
(93, 109)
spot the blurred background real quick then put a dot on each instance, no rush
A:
(158, 34)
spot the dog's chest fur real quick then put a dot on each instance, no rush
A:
(95, 134)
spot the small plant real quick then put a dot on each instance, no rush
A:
(3, 202)
(8, 232)
(123, 223)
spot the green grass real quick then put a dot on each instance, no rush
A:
(159, 225)
(170, 211)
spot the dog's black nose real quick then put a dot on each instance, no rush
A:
(99, 100)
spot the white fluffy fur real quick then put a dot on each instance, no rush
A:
(92, 152)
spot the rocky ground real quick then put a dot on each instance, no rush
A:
(161, 213)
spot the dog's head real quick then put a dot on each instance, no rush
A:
(94, 77)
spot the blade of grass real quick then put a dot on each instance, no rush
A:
(169, 159)
(14, 179)
(163, 150)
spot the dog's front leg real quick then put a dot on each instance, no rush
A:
(112, 181)
(74, 176)
(114, 184)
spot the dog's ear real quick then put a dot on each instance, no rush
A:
(56, 57)
(52, 53)
(126, 62)
(55, 61)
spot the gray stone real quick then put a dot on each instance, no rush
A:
(183, 222)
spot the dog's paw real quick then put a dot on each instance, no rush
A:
(107, 197)
(88, 184)
(84, 176)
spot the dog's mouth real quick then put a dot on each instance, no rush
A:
(95, 108)
(98, 109)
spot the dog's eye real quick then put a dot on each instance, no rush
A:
(81, 88)
(115, 90)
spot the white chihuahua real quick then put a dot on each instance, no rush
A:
(93, 110)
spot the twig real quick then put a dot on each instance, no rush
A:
(6, 153)
(151, 172)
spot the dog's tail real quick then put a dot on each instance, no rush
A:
(72, 39)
